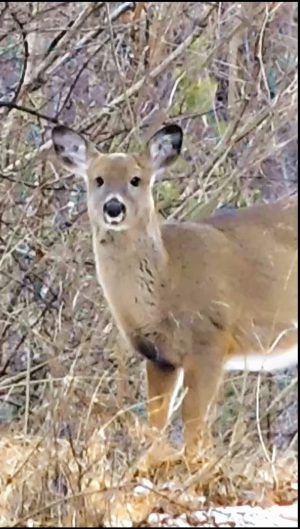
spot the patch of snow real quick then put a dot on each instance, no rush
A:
(143, 488)
(237, 516)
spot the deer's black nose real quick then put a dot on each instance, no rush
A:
(113, 208)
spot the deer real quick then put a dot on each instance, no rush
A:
(194, 299)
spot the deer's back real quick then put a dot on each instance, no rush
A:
(236, 271)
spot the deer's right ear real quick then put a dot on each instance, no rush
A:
(72, 149)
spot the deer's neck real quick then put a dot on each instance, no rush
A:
(132, 270)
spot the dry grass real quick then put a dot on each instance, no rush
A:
(72, 408)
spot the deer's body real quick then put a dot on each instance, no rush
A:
(201, 297)
(236, 288)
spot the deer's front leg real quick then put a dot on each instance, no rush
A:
(202, 378)
(162, 384)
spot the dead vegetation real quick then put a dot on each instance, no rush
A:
(72, 408)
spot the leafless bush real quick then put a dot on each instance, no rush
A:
(70, 405)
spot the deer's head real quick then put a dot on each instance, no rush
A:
(119, 186)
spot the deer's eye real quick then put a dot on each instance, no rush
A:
(135, 181)
(99, 181)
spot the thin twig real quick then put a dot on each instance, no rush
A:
(26, 57)
(158, 70)
(22, 108)
(50, 58)
(118, 68)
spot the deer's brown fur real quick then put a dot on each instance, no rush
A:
(199, 297)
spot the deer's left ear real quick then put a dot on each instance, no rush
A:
(164, 146)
